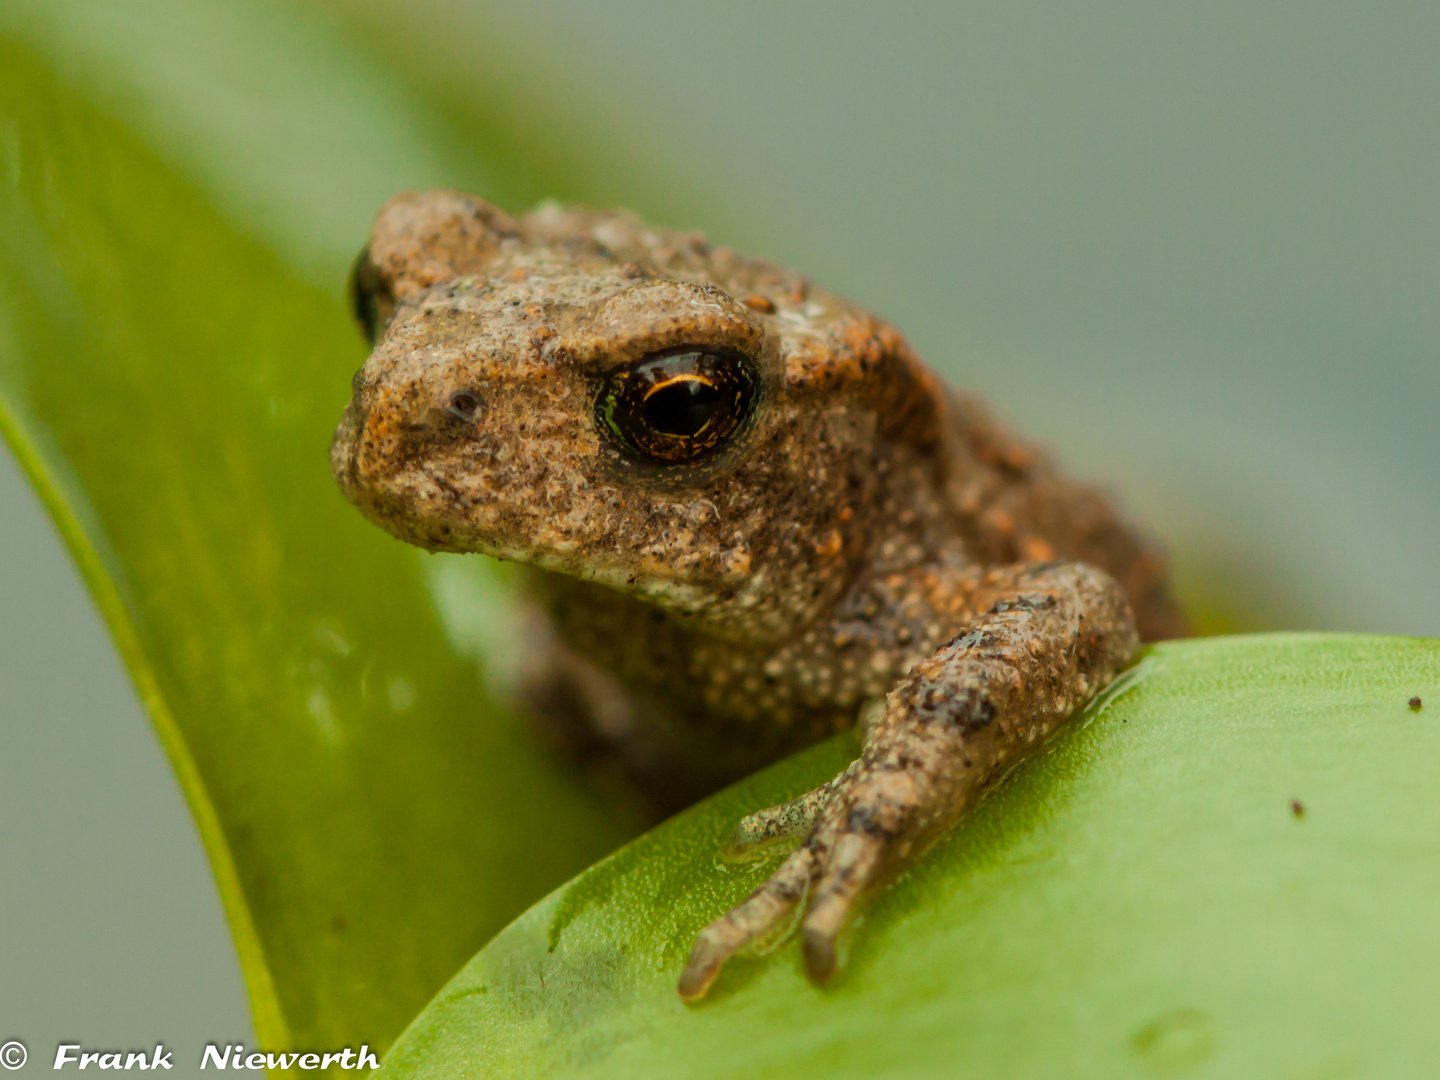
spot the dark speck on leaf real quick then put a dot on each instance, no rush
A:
(1297, 808)
(1415, 704)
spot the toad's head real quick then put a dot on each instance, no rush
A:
(577, 391)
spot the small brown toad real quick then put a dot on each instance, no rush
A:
(752, 518)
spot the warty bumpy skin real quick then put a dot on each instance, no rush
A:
(752, 518)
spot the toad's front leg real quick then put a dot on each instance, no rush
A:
(1051, 635)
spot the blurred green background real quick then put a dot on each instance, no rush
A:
(1195, 248)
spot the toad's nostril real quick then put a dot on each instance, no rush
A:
(463, 404)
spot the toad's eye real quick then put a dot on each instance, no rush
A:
(678, 405)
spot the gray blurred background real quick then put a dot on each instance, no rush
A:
(1195, 248)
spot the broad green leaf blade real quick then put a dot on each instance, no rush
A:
(1141, 899)
(170, 383)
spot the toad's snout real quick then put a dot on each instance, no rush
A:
(399, 458)
(373, 443)
(342, 450)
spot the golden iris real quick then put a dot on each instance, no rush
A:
(678, 405)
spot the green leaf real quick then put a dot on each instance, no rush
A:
(170, 373)
(1141, 899)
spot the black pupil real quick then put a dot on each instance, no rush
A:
(681, 406)
(678, 405)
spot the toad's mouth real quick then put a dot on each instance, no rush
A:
(416, 503)
(497, 530)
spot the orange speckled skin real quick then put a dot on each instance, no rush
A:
(869, 542)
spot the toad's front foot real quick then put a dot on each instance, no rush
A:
(857, 823)
(1053, 635)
